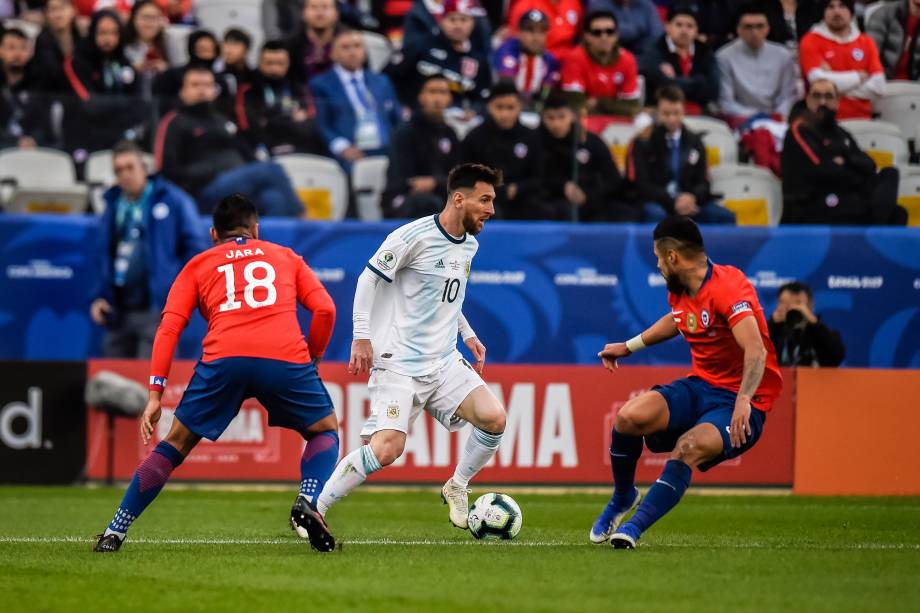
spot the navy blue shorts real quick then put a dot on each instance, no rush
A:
(293, 394)
(692, 401)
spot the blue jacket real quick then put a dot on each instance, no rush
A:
(335, 117)
(173, 234)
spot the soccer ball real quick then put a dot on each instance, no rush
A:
(495, 516)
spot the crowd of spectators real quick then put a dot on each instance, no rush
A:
(525, 76)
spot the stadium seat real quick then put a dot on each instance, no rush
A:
(721, 145)
(753, 193)
(618, 136)
(40, 180)
(901, 106)
(100, 176)
(882, 141)
(909, 193)
(368, 180)
(220, 15)
(175, 37)
(320, 182)
(870, 9)
(379, 50)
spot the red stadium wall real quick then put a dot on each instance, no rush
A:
(857, 432)
(559, 420)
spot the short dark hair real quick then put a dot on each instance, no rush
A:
(18, 33)
(127, 147)
(505, 87)
(237, 35)
(796, 287)
(434, 76)
(671, 93)
(234, 212)
(196, 67)
(466, 176)
(754, 7)
(344, 30)
(679, 233)
(601, 12)
(273, 45)
(556, 100)
(684, 8)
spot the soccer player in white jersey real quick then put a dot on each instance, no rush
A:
(407, 314)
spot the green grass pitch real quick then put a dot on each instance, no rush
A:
(197, 550)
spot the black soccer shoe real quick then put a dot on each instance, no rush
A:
(108, 543)
(309, 524)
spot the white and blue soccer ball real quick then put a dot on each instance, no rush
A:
(495, 516)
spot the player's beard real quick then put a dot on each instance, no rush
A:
(471, 225)
(674, 284)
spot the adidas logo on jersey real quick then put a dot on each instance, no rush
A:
(440, 264)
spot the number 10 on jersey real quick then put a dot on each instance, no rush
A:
(252, 282)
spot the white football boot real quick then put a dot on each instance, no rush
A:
(457, 501)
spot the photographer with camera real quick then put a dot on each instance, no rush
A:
(799, 336)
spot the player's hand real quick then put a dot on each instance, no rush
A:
(149, 419)
(352, 154)
(479, 352)
(99, 309)
(575, 194)
(611, 353)
(422, 184)
(685, 204)
(740, 428)
(667, 70)
(362, 357)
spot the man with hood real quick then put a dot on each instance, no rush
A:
(827, 179)
(107, 106)
(836, 50)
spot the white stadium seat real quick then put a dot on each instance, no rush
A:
(320, 182)
(220, 15)
(901, 106)
(617, 136)
(40, 180)
(379, 50)
(882, 141)
(368, 180)
(753, 193)
(100, 176)
(909, 193)
(175, 36)
(720, 142)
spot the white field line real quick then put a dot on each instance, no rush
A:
(18, 540)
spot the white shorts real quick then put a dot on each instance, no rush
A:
(397, 400)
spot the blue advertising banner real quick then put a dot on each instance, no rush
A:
(539, 292)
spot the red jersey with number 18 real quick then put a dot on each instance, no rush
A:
(706, 321)
(248, 292)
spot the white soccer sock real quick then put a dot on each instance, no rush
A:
(480, 448)
(349, 474)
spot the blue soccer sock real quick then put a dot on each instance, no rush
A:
(661, 498)
(318, 461)
(148, 480)
(625, 451)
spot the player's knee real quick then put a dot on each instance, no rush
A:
(495, 422)
(688, 450)
(388, 449)
(631, 421)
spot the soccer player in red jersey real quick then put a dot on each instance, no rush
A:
(247, 289)
(716, 413)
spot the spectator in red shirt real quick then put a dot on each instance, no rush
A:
(894, 28)
(600, 74)
(836, 50)
(677, 59)
(564, 22)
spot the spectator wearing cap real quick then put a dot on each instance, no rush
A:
(271, 110)
(356, 109)
(578, 170)
(23, 111)
(836, 50)
(667, 165)
(677, 59)
(895, 27)
(564, 22)
(639, 24)
(827, 178)
(755, 75)
(422, 21)
(310, 47)
(525, 59)
(600, 75)
(451, 53)
(502, 142)
(423, 152)
(150, 230)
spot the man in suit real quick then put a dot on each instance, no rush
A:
(667, 164)
(356, 109)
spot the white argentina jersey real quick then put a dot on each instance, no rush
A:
(417, 305)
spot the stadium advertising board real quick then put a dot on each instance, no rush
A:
(558, 431)
(42, 422)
